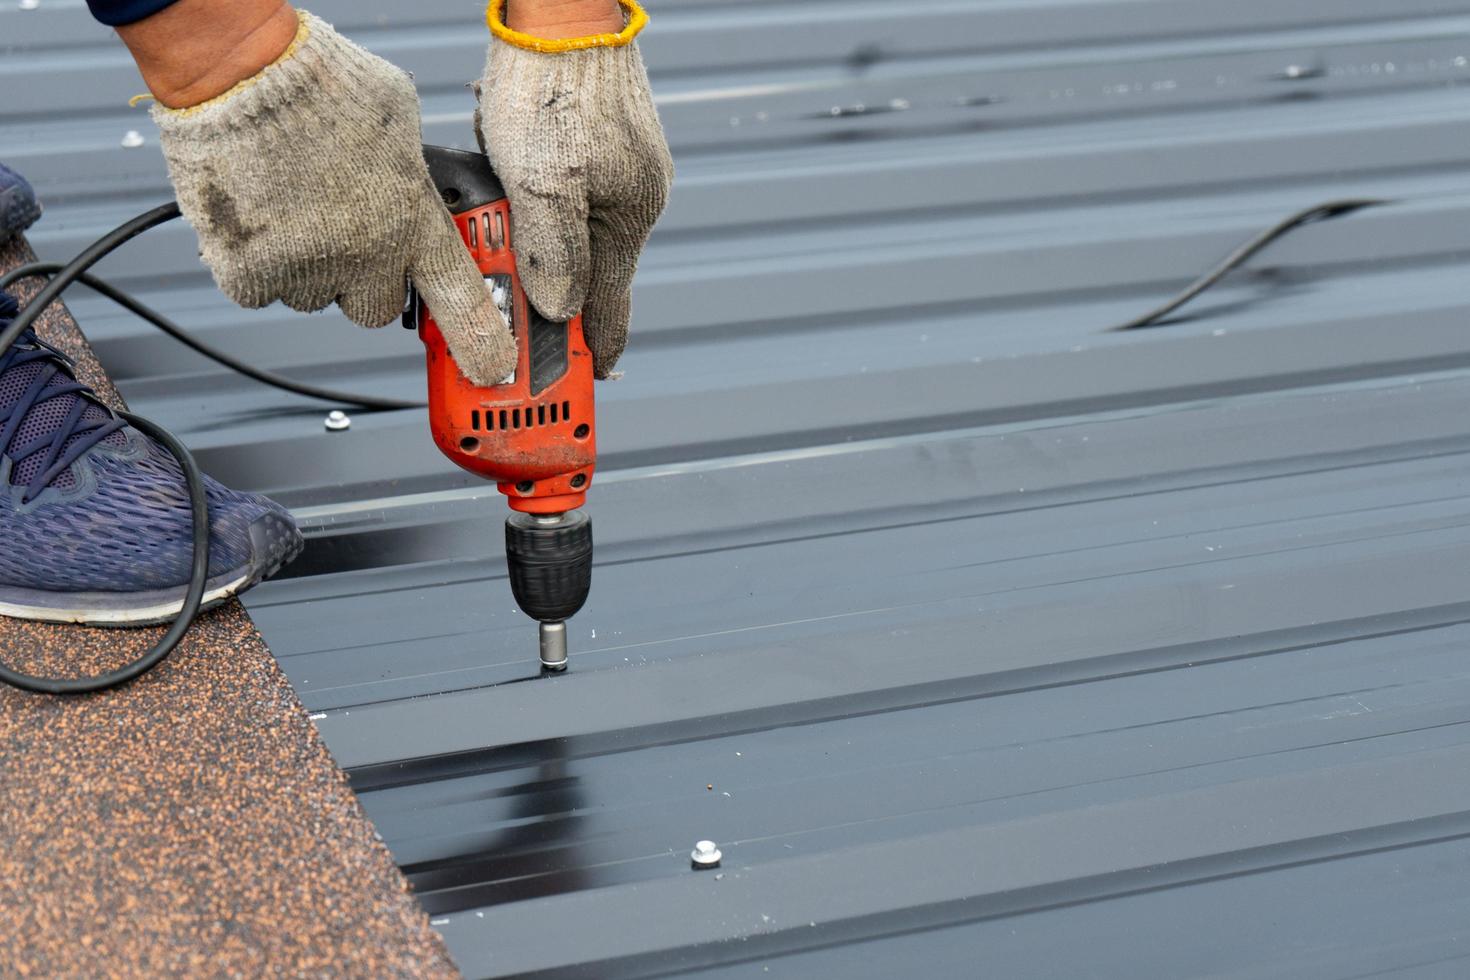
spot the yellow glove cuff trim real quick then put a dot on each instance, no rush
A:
(637, 20)
(303, 31)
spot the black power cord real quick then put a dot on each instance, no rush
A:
(1242, 254)
(88, 257)
(133, 305)
(76, 270)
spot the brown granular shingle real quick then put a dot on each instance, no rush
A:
(189, 824)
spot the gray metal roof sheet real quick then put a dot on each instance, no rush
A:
(1007, 643)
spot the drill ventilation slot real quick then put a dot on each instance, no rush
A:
(547, 413)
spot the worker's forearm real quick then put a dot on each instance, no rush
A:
(564, 18)
(194, 50)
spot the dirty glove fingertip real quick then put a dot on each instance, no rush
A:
(460, 303)
(605, 328)
(484, 349)
(551, 245)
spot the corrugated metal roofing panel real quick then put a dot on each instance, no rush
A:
(1003, 641)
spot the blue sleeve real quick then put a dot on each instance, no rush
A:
(117, 12)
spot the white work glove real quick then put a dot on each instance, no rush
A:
(570, 128)
(307, 184)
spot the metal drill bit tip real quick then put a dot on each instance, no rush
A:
(554, 646)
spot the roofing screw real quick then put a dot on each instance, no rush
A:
(132, 139)
(705, 855)
(29, 4)
(338, 421)
(1293, 73)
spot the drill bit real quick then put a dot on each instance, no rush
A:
(554, 645)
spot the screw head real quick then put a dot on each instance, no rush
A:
(1298, 72)
(132, 139)
(705, 855)
(338, 421)
(29, 4)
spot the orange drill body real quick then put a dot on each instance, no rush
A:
(535, 434)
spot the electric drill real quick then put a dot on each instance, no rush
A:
(534, 434)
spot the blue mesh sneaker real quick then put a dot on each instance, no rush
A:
(18, 206)
(94, 515)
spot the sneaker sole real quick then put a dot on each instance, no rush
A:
(274, 542)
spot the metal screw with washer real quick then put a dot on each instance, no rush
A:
(705, 855)
(338, 421)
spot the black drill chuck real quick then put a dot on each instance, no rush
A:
(550, 561)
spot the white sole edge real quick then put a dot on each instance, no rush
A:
(140, 616)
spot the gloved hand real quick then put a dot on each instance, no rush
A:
(306, 183)
(570, 128)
